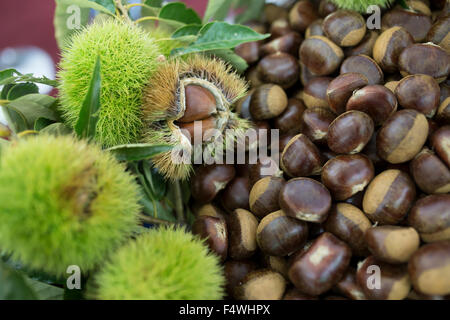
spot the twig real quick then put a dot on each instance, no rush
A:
(152, 220)
(178, 202)
(124, 11)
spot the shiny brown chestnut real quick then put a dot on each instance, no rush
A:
(264, 195)
(301, 157)
(376, 100)
(288, 43)
(289, 122)
(248, 51)
(305, 75)
(208, 210)
(326, 7)
(435, 61)
(242, 226)
(302, 15)
(349, 287)
(382, 281)
(242, 106)
(409, 20)
(275, 263)
(430, 173)
(273, 12)
(430, 216)
(389, 197)
(235, 271)
(305, 199)
(392, 244)
(236, 194)
(315, 124)
(268, 101)
(371, 152)
(264, 284)
(341, 89)
(279, 28)
(365, 65)
(440, 141)
(364, 47)
(439, 34)
(402, 136)
(279, 68)
(214, 231)
(443, 113)
(389, 45)
(319, 268)
(320, 55)
(347, 175)
(200, 104)
(315, 92)
(252, 77)
(345, 28)
(429, 269)
(419, 92)
(190, 129)
(350, 132)
(391, 85)
(315, 29)
(349, 224)
(209, 180)
(264, 167)
(281, 235)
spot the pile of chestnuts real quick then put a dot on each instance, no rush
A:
(359, 206)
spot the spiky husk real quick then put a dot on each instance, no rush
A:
(162, 264)
(361, 5)
(128, 57)
(161, 106)
(63, 202)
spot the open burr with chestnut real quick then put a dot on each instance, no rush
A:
(361, 178)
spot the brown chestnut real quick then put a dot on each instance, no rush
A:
(268, 101)
(252, 77)
(345, 28)
(279, 68)
(364, 47)
(349, 224)
(315, 124)
(200, 104)
(315, 29)
(409, 20)
(302, 15)
(242, 226)
(305, 76)
(430, 216)
(349, 287)
(443, 113)
(439, 34)
(389, 45)
(289, 122)
(264, 195)
(321, 266)
(315, 92)
(281, 235)
(382, 281)
(242, 106)
(392, 244)
(320, 55)
(305, 199)
(288, 43)
(376, 100)
(208, 210)
(275, 263)
(189, 129)
(389, 197)
(214, 231)
(235, 271)
(391, 85)
(326, 7)
(434, 61)
(347, 175)
(279, 28)
(350, 132)
(236, 194)
(429, 269)
(364, 65)
(430, 173)
(248, 51)
(273, 12)
(440, 141)
(264, 284)
(301, 157)
(341, 89)
(402, 136)
(264, 167)
(209, 180)
(419, 92)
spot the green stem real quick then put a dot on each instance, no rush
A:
(178, 202)
(4, 102)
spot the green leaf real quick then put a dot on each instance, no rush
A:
(93, 4)
(21, 89)
(56, 129)
(7, 73)
(87, 121)
(154, 3)
(31, 110)
(217, 10)
(45, 291)
(12, 76)
(137, 152)
(13, 285)
(220, 35)
(178, 11)
(68, 19)
(232, 58)
(252, 10)
(155, 181)
(107, 4)
(42, 123)
(189, 30)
